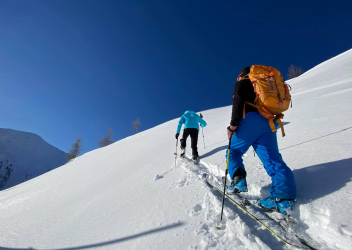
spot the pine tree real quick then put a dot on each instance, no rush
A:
(107, 140)
(75, 150)
(136, 125)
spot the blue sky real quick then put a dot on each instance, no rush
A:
(70, 68)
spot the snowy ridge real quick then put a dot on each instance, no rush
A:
(327, 77)
(28, 155)
(327, 62)
(132, 189)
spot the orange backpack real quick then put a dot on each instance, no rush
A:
(273, 95)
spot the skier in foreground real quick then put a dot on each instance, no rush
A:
(255, 131)
(192, 122)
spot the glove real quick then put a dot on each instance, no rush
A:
(231, 131)
(176, 136)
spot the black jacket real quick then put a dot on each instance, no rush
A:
(244, 91)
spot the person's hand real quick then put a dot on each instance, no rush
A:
(176, 136)
(230, 131)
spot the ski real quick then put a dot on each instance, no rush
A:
(284, 220)
(287, 234)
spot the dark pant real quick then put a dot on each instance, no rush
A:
(193, 132)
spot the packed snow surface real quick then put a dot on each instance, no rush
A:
(131, 195)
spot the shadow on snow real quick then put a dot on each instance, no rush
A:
(214, 151)
(107, 242)
(320, 180)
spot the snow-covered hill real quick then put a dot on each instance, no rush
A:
(130, 195)
(24, 156)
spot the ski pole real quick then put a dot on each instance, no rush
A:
(226, 172)
(176, 151)
(202, 129)
(203, 137)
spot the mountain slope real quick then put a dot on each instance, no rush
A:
(130, 195)
(28, 155)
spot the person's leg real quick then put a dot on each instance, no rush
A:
(239, 145)
(248, 131)
(283, 181)
(194, 141)
(185, 135)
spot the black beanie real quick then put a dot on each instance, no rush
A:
(244, 71)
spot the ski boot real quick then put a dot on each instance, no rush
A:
(239, 184)
(183, 152)
(284, 206)
(195, 159)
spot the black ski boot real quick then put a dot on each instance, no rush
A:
(183, 151)
(195, 159)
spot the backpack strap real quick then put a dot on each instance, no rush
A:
(278, 118)
(244, 108)
(272, 125)
(282, 127)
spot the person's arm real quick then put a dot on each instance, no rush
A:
(230, 131)
(237, 109)
(237, 105)
(180, 122)
(202, 122)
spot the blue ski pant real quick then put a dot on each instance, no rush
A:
(255, 131)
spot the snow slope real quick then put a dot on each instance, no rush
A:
(130, 195)
(28, 155)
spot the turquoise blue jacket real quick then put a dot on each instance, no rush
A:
(191, 120)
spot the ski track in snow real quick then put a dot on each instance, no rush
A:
(236, 233)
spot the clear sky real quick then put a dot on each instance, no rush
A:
(80, 67)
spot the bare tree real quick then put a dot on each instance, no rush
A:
(107, 140)
(75, 150)
(294, 71)
(136, 125)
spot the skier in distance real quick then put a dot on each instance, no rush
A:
(191, 123)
